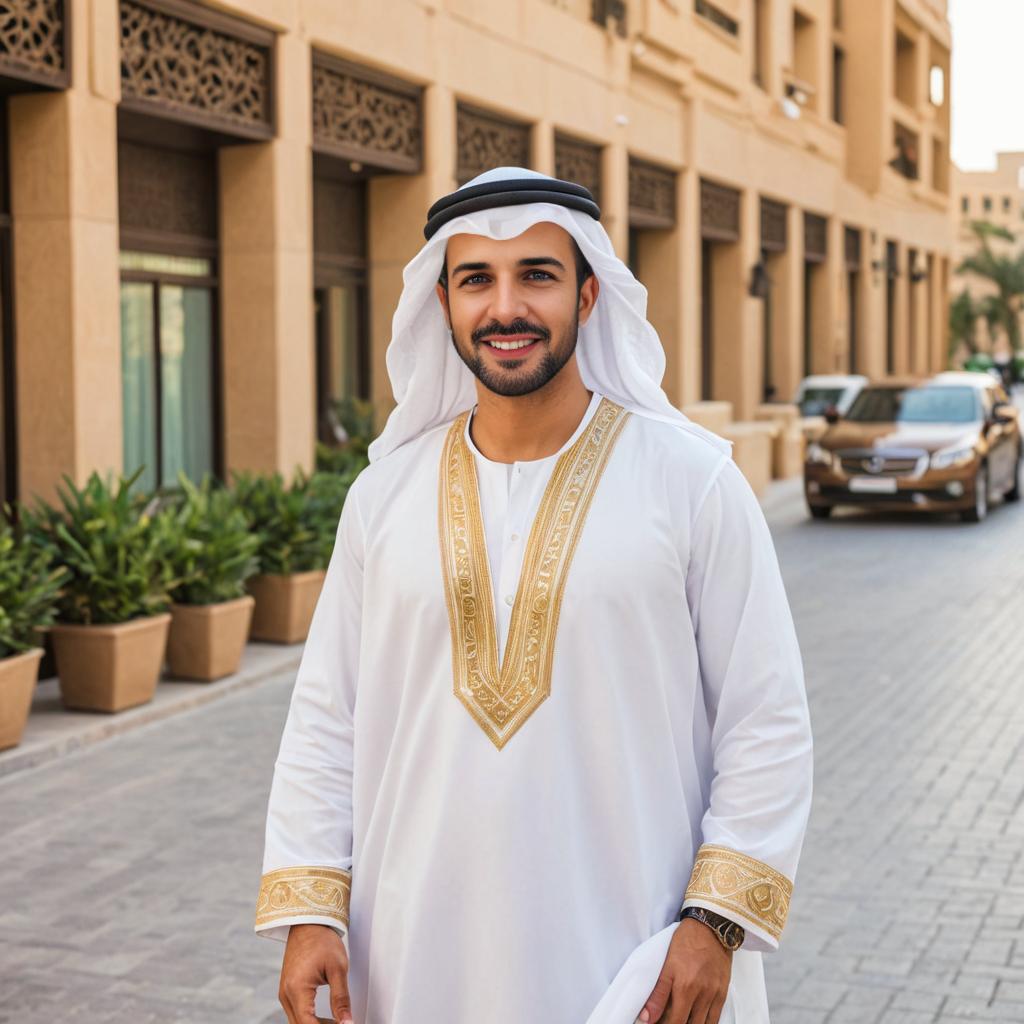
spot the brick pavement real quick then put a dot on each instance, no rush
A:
(129, 869)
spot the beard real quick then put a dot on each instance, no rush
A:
(506, 381)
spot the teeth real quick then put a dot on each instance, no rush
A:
(510, 346)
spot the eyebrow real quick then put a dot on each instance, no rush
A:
(529, 261)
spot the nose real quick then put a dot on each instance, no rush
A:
(507, 301)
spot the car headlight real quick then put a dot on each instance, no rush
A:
(953, 457)
(818, 455)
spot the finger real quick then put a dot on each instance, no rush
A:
(679, 1008)
(699, 1011)
(301, 999)
(717, 1005)
(657, 1000)
(286, 1003)
(341, 1004)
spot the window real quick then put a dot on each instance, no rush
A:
(965, 204)
(167, 361)
(805, 50)
(761, 36)
(709, 12)
(986, 204)
(937, 86)
(1006, 204)
(906, 68)
(838, 63)
(905, 158)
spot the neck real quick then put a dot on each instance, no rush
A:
(531, 426)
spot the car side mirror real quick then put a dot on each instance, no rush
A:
(1004, 413)
(831, 415)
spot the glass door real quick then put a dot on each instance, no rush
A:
(168, 368)
(343, 350)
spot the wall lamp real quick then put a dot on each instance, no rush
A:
(760, 282)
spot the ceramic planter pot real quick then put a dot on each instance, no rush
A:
(206, 640)
(284, 605)
(18, 676)
(110, 667)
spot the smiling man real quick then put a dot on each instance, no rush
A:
(548, 755)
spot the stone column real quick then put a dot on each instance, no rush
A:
(615, 195)
(398, 211)
(266, 239)
(63, 179)
(542, 147)
(788, 318)
(688, 228)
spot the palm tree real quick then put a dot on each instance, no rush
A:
(1006, 273)
(964, 314)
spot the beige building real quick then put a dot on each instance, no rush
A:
(207, 207)
(996, 197)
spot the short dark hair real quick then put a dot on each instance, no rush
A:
(583, 267)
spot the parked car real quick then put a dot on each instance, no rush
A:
(821, 392)
(949, 443)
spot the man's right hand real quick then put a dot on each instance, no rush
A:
(314, 955)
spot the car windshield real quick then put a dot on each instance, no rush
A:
(916, 405)
(814, 401)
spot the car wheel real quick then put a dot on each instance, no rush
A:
(1013, 494)
(820, 511)
(980, 509)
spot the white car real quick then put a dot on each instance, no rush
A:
(827, 390)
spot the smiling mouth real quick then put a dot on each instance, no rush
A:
(511, 344)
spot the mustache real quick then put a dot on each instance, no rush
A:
(518, 326)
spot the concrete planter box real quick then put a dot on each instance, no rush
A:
(284, 605)
(206, 640)
(18, 676)
(110, 667)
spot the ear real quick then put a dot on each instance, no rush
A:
(442, 297)
(588, 298)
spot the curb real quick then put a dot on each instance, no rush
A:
(52, 732)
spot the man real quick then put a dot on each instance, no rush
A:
(551, 690)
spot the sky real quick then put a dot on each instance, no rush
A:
(987, 80)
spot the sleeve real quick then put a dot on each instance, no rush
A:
(307, 860)
(753, 683)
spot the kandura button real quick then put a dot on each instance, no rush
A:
(509, 599)
(515, 536)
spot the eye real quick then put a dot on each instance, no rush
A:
(545, 276)
(472, 279)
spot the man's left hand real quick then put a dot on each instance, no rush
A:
(694, 980)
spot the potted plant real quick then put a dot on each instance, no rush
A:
(112, 614)
(296, 539)
(29, 586)
(212, 553)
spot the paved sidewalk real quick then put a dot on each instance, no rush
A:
(129, 867)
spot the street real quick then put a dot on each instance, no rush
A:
(129, 869)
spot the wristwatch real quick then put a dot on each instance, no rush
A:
(730, 934)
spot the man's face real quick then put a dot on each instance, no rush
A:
(514, 306)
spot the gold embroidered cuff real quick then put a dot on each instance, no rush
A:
(742, 887)
(304, 891)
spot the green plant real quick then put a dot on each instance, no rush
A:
(345, 461)
(29, 587)
(209, 545)
(964, 314)
(278, 513)
(1006, 275)
(325, 496)
(112, 543)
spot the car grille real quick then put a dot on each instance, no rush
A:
(861, 463)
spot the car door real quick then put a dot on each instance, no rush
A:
(1001, 439)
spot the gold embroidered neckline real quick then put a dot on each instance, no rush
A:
(502, 697)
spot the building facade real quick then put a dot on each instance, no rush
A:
(994, 197)
(207, 207)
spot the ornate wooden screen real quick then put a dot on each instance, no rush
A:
(652, 195)
(182, 61)
(485, 140)
(851, 247)
(773, 225)
(815, 238)
(167, 199)
(579, 161)
(34, 41)
(719, 212)
(365, 116)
